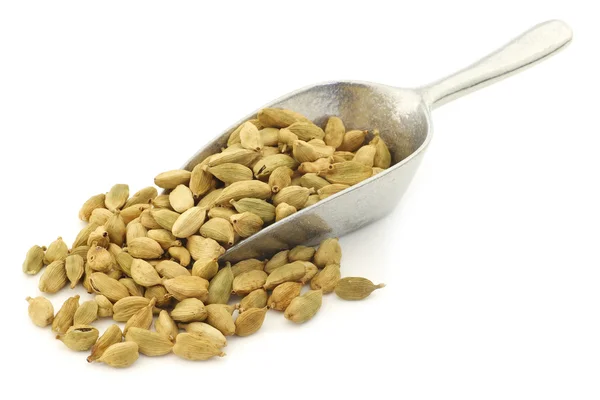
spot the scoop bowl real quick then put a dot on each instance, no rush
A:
(403, 117)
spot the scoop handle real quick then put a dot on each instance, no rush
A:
(531, 47)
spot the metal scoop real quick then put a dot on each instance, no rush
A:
(403, 117)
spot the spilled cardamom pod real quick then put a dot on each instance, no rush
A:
(189, 310)
(149, 343)
(34, 260)
(111, 335)
(355, 288)
(195, 348)
(79, 337)
(326, 279)
(250, 321)
(41, 311)
(86, 313)
(304, 307)
(120, 355)
(220, 287)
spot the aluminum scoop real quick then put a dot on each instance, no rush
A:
(403, 116)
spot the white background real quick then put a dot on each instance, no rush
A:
(491, 259)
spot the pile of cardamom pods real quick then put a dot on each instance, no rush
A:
(152, 254)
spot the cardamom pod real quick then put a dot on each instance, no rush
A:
(220, 212)
(265, 166)
(280, 178)
(164, 218)
(98, 237)
(181, 198)
(304, 152)
(63, 319)
(210, 200)
(80, 251)
(246, 224)
(107, 286)
(230, 173)
(90, 205)
(322, 164)
(250, 321)
(189, 310)
(286, 139)
(165, 325)
(312, 199)
(301, 253)
(124, 260)
(265, 210)
(144, 274)
(284, 210)
(184, 287)
(170, 269)
(142, 196)
(347, 173)
(79, 337)
(195, 348)
(125, 308)
(34, 260)
(334, 132)
(148, 220)
(162, 201)
(255, 299)
(251, 264)
(41, 311)
(111, 335)
(144, 247)
(383, 158)
(220, 287)
(149, 343)
(100, 259)
(141, 319)
(352, 140)
(329, 252)
(133, 288)
(83, 236)
(295, 196)
(116, 228)
(306, 131)
(269, 136)
(327, 278)
(242, 189)
(207, 331)
(220, 316)
(164, 238)
(234, 156)
(86, 313)
(279, 118)
(304, 307)
(341, 156)
(365, 155)
(218, 229)
(287, 273)
(105, 307)
(278, 260)
(269, 151)
(54, 277)
(116, 197)
(313, 180)
(201, 182)
(159, 292)
(120, 355)
(203, 248)
(171, 179)
(250, 137)
(283, 295)
(311, 271)
(181, 255)
(190, 222)
(205, 268)
(330, 190)
(247, 282)
(57, 251)
(355, 288)
(100, 216)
